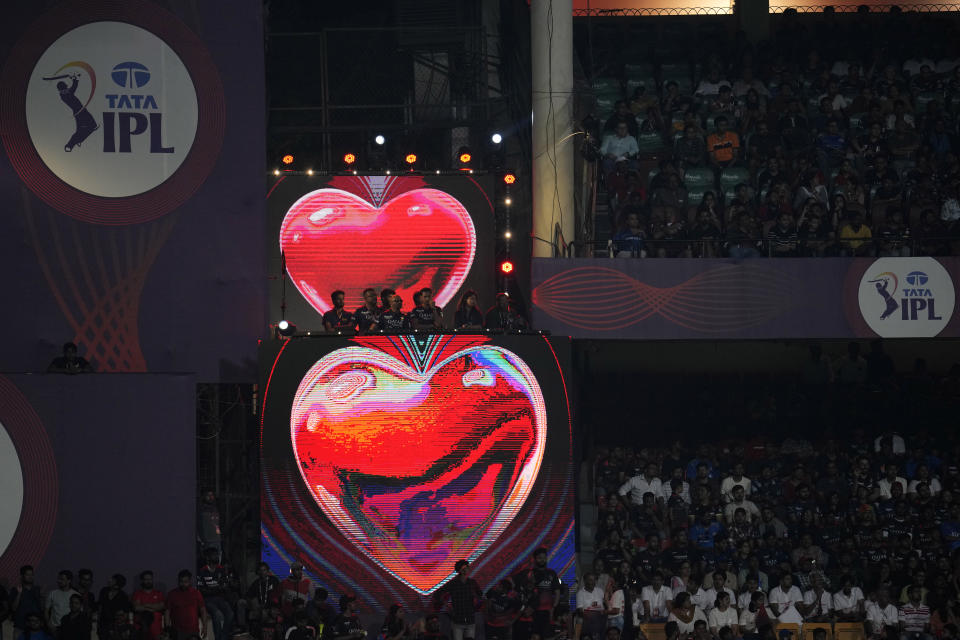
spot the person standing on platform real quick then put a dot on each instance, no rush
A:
(338, 319)
(464, 594)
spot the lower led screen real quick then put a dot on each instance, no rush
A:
(384, 460)
(400, 232)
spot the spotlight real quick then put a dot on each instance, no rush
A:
(380, 140)
(309, 172)
(507, 234)
(411, 159)
(508, 201)
(496, 138)
(287, 159)
(506, 266)
(349, 159)
(286, 328)
(276, 172)
(509, 178)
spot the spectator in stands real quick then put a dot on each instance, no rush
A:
(502, 317)
(148, 605)
(668, 234)
(113, 600)
(214, 584)
(622, 116)
(590, 607)
(468, 314)
(621, 146)
(723, 615)
(629, 241)
(33, 628)
(76, 625)
(782, 239)
(185, 612)
(685, 614)
(855, 236)
(763, 145)
(891, 235)
(705, 232)
(784, 599)
(739, 501)
(347, 625)
(58, 601)
(710, 86)
(691, 150)
(296, 586)
(723, 145)
(930, 234)
(657, 599)
(883, 618)
(69, 362)
(26, 599)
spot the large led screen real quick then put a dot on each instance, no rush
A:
(350, 232)
(384, 460)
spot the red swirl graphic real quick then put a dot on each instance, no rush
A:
(723, 299)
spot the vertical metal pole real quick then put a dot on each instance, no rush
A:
(551, 27)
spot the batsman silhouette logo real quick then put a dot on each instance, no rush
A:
(112, 120)
(906, 297)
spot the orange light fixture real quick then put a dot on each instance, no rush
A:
(287, 159)
(509, 178)
(506, 266)
(411, 158)
(349, 158)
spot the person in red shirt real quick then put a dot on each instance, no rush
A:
(296, 587)
(148, 604)
(186, 614)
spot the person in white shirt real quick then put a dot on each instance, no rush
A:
(642, 483)
(888, 480)
(618, 147)
(883, 616)
(755, 613)
(848, 602)
(723, 615)
(896, 442)
(680, 581)
(709, 596)
(740, 502)
(710, 86)
(923, 475)
(657, 599)
(817, 602)
(735, 479)
(666, 491)
(685, 614)
(58, 601)
(784, 599)
(591, 606)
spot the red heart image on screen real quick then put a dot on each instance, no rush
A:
(333, 239)
(419, 468)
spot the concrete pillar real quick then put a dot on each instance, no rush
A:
(552, 62)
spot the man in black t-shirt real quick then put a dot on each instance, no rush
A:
(464, 593)
(545, 593)
(69, 362)
(367, 316)
(394, 320)
(347, 625)
(425, 315)
(338, 318)
(502, 316)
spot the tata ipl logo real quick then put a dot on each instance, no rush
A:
(906, 297)
(118, 137)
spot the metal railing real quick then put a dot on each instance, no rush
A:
(722, 247)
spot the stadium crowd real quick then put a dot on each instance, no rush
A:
(833, 138)
(731, 539)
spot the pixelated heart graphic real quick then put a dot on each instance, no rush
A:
(333, 239)
(419, 468)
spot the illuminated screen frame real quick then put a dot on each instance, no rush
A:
(399, 231)
(338, 541)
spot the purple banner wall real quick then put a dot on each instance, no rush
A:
(97, 454)
(132, 185)
(720, 299)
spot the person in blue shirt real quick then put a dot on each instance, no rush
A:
(34, 629)
(630, 240)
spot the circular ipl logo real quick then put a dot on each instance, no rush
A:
(111, 109)
(11, 479)
(114, 118)
(906, 297)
